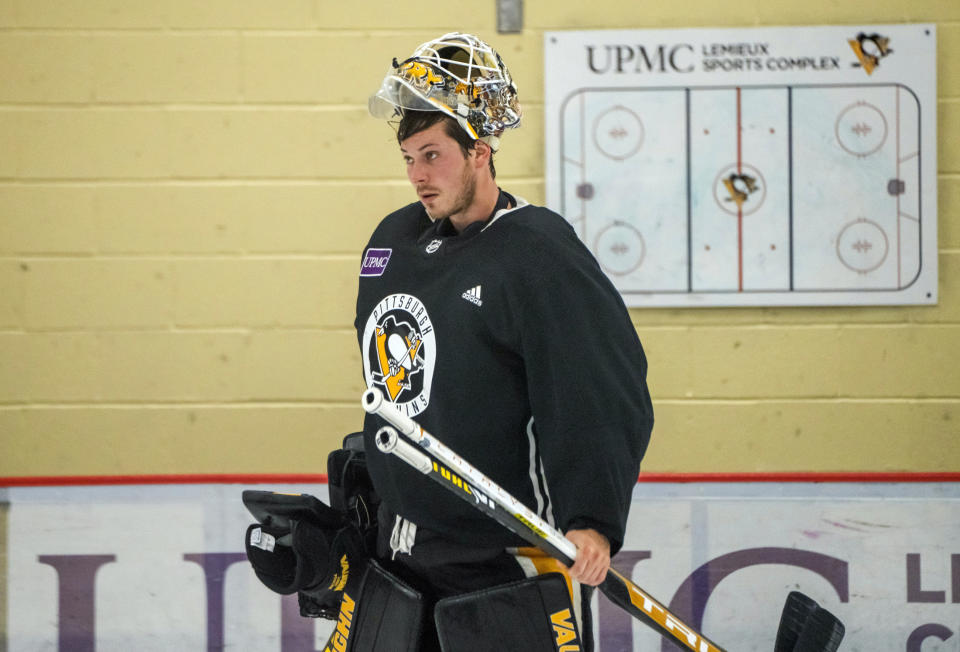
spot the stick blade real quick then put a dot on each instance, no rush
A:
(822, 632)
(796, 610)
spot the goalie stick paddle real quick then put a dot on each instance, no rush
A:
(796, 611)
(823, 632)
(451, 471)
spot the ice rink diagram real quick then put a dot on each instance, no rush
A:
(752, 189)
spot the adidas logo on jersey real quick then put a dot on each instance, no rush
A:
(473, 296)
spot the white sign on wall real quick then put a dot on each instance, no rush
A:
(749, 166)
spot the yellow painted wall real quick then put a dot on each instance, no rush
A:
(185, 188)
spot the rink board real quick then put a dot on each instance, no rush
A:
(799, 232)
(162, 567)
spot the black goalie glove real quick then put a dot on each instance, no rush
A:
(300, 545)
(351, 489)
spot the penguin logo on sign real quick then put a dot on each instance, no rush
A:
(870, 49)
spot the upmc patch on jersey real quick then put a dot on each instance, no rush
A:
(375, 262)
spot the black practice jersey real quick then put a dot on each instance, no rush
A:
(509, 344)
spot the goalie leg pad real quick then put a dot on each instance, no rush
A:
(533, 615)
(383, 614)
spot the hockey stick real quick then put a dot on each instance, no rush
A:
(459, 477)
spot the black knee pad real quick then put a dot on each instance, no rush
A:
(379, 613)
(533, 615)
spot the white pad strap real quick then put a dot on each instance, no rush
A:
(403, 536)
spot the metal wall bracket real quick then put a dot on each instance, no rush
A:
(509, 16)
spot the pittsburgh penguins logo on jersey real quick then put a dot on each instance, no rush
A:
(399, 359)
(399, 352)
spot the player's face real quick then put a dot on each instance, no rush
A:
(442, 176)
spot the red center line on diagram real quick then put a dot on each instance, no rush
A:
(739, 204)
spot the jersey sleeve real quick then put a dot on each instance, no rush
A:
(586, 376)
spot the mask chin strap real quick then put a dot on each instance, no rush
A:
(492, 141)
(462, 112)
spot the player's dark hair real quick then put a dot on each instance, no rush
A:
(413, 122)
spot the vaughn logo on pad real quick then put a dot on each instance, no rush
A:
(375, 262)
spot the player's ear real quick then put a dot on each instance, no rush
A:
(482, 153)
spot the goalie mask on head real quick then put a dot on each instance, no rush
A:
(459, 75)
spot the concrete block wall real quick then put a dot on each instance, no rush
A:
(185, 189)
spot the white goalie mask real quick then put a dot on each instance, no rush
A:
(459, 75)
